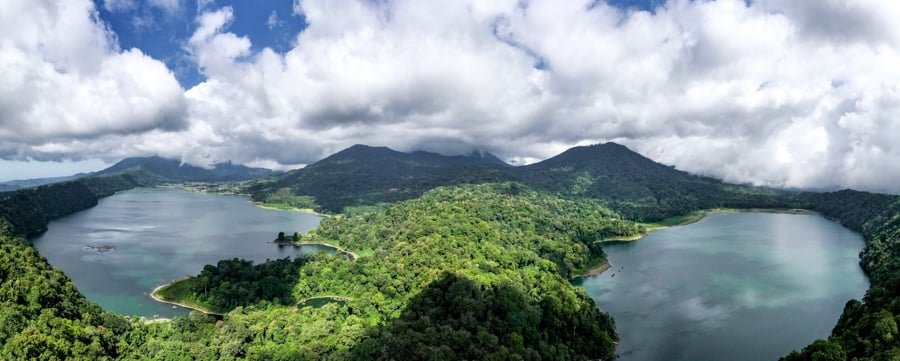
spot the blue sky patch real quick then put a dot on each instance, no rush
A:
(162, 33)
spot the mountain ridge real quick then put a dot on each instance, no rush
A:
(631, 183)
(167, 170)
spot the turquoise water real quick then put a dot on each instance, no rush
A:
(735, 286)
(118, 251)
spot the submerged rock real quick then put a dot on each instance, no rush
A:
(101, 249)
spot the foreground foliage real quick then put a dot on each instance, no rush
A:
(471, 272)
(42, 315)
(474, 272)
(235, 282)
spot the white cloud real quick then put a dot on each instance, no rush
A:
(768, 93)
(795, 94)
(64, 78)
(272, 22)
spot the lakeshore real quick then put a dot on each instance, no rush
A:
(351, 255)
(688, 293)
(697, 216)
(280, 207)
(158, 298)
(691, 218)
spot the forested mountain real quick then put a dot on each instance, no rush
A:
(162, 169)
(28, 183)
(29, 210)
(636, 186)
(171, 170)
(632, 184)
(362, 175)
(458, 272)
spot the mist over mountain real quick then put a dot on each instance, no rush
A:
(172, 170)
(163, 169)
(632, 183)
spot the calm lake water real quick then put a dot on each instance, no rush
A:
(736, 286)
(157, 235)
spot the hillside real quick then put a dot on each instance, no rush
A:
(460, 273)
(164, 170)
(629, 182)
(170, 170)
(636, 186)
(28, 183)
(503, 252)
(42, 314)
(29, 210)
(362, 175)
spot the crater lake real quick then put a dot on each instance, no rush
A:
(733, 286)
(119, 250)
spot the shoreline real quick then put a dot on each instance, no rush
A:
(190, 307)
(263, 205)
(153, 294)
(691, 218)
(351, 255)
(698, 216)
(290, 209)
(594, 270)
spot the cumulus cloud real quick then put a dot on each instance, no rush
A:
(790, 94)
(65, 78)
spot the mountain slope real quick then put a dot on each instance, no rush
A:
(28, 183)
(367, 175)
(171, 170)
(165, 170)
(636, 186)
(632, 184)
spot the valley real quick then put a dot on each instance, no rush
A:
(454, 257)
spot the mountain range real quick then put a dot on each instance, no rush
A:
(631, 183)
(161, 169)
(549, 207)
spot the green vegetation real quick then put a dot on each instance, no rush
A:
(505, 252)
(234, 283)
(28, 210)
(362, 175)
(173, 170)
(42, 315)
(284, 199)
(478, 270)
(180, 292)
(629, 183)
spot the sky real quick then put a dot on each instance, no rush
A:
(795, 94)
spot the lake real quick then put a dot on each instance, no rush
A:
(733, 286)
(132, 241)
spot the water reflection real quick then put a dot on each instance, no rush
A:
(119, 250)
(743, 286)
